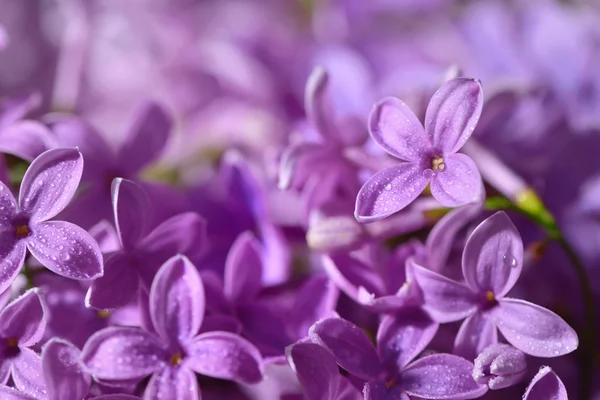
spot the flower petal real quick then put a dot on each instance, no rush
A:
(116, 287)
(453, 113)
(50, 183)
(317, 104)
(26, 139)
(459, 183)
(397, 130)
(350, 346)
(401, 337)
(316, 369)
(316, 299)
(123, 353)
(184, 234)
(12, 256)
(177, 300)
(444, 299)
(173, 384)
(24, 319)
(146, 139)
(64, 377)
(225, 355)
(243, 269)
(493, 256)
(72, 131)
(299, 161)
(441, 376)
(13, 109)
(131, 209)
(8, 393)
(8, 204)
(379, 391)
(27, 373)
(546, 385)
(389, 191)
(534, 330)
(475, 334)
(66, 249)
(442, 236)
(349, 274)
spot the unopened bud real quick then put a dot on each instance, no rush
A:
(499, 366)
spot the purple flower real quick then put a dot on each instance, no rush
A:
(142, 144)
(491, 264)
(546, 385)
(390, 371)
(266, 323)
(377, 282)
(500, 366)
(142, 252)
(428, 154)
(47, 187)
(172, 351)
(318, 373)
(322, 169)
(63, 376)
(22, 325)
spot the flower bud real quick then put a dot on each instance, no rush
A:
(499, 366)
(335, 233)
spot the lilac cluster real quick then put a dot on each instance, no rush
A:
(299, 199)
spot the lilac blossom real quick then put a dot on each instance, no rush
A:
(492, 262)
(321, 169)
(48, 185)
(142, 144)
(172, 351)
(22, 325)
(391, 371)
(546, 385)
(429, 155)
(142, 251)
(500, 366)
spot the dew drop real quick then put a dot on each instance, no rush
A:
(388, 186)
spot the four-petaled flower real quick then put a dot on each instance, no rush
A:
(48, 185)
(390, 371)
(171, 350)
(491, 264)
(428, 154)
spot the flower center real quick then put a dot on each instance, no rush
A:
(11, 348)
(490, 296)
(103, 314)
(22, 231)
(437, 164)
(176, 359)
(390, 384)
(12, 342)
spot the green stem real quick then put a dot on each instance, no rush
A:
(541, 216)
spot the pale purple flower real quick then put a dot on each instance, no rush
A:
(321, 169)
(22, 325)
(428, 154)
(500, 366)
(64, 248)
(318, 373)
(172, 352)
(390, 371)
(142, 252)
(492, 262)
(546, 385)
